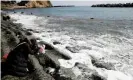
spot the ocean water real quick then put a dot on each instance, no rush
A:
(83, 12)
(108, 37)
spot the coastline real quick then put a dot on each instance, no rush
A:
(78, 65)
(11, 33)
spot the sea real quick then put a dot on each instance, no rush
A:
(104, 33)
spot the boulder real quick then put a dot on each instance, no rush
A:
(65, 74)
(56, 42)
(6, 17)
(72, 49)
(86, 73)
(91, 18)
(76, 49)
(106, 65)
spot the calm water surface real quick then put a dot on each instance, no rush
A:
(83, 12)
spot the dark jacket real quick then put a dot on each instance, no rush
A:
(17, 63)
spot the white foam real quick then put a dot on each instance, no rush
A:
(102, 47)
(113, 75)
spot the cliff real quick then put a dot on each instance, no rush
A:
(34, 4)
(25, 4)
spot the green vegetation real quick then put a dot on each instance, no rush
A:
(114, 5)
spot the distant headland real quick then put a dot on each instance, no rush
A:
(114, 5)
(25, 4)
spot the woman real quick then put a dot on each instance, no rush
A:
(17, 63)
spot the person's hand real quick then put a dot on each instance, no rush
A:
(42, 49)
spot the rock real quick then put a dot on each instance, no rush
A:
(96, 77)
(46, 61)
(34, 4)
(72, 49)
(76, 49)
(29, 30)
(91, 18)
(56, 42)
(87, 73)
(28, 33)
(6, 17)
(39, 73)
(65, 74)
(22, 12)
(105, 65)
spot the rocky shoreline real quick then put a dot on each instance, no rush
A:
(12, 33)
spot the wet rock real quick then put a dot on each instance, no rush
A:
(91, 18)
(46, 61)
(49, 31)
(65, 74)
(36, 31)
(56, 42)
(102, 64)
(28, 33)
(87, 73)
(29, 30)
(6, 17)
(72, 49)
(76, 49)
(105, 65)
(22, 12)
(96, 77)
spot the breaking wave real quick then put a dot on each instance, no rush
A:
(107, 41)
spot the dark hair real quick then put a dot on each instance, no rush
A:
(34, 45)
(33, 42)
(25, 40)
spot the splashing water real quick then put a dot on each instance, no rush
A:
(106, 40)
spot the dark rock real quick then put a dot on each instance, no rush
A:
(29, 30)
(102, 64)
(48, 16)
(91, 18)
(96, 77)
(6, 17)
(106, 65)
(86, 73)
(76, 49)
(28, 33)
(72, 49)
(56, 42)
(22, 12)
(49, 31)
(36, 31)
(65, 74)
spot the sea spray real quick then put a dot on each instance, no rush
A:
(103, 47)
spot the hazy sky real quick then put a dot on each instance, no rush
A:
(86, 2)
